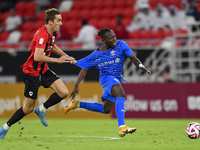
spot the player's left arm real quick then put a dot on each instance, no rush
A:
(138, 63)
(56, 50)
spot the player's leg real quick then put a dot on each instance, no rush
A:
(18, 115)
(118, 92)
(50, 79)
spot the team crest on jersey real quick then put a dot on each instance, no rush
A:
(30, 93)
(112, 53)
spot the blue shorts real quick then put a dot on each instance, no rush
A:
(107, 82)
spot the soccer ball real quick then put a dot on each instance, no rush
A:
(193, 130)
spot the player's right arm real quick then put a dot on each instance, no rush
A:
(38, 56)
(81, 75)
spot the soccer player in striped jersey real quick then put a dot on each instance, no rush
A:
(109, 59)
(36, 72)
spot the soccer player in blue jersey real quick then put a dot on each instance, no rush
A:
(109, 59)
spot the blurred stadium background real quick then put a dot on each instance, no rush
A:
(147, 95)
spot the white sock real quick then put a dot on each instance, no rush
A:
(5, 126)
(42, 108)
(121, 126)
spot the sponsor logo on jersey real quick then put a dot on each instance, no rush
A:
(53, 39)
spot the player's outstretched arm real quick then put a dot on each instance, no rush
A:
(81, 75)
(38, 56)
(138, 63)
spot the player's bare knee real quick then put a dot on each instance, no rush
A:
(63, 94)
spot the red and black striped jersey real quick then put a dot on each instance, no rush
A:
(42, 39)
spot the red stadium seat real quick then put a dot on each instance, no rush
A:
(112, 24)
(108, 4)
(27, 26)
(106, 13)
(175, 2)
(119, 4)
(129, 3)
(97, 4)
(134, 34)
(132, 44)
(146, 34)
(77, 5)
(93, 22)
(4, 36)
(95, 13)
(38, 25)
(153, 3)
(4, 16)
(30, 10)
(27, 35)
(73, 14)
(87, 5)
(40, 16)
(117, 11)
(103, 23)
(166, 3)
(128, 13)
(168, 33)
(64, 15)
(158, 34)
(85, 13)
(20, 9)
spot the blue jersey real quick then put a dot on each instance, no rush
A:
(109, 62)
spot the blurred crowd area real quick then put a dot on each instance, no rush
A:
(142, 23)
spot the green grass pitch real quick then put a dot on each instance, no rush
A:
(98, 134)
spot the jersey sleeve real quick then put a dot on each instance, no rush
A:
(87, 62)
(126, 49)
(41, 40)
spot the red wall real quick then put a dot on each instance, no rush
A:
(166, 100)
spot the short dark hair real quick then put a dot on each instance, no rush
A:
(50, 14)
(102, 32)
(84, 22)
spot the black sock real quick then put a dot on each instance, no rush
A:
(53, 99)
(18, 115)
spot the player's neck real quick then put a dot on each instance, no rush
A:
(49, 30)
(104, 48)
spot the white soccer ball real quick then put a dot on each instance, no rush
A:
(193, 130)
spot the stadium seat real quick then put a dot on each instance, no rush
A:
(27, 26)
(134, 34)
(40, 15)
(119, 4)
(30, 10)
(126, 21)
(85, 14)
(64, 15)
(87, 5)
(4, 16)
(38, 25)
(128, 13)
(117, 11)
(20, 9)
(77, 5)
(4, 36)
(158, 34)
(132, 44)
(103, 23)
(97, 4)
(93, 22)
(181, 34)
(175, 2)
(129, 3)
(73, 14)
(95, 13)
(146, 34)
(106, 13)
(112, 24)
(168, 33)
(153, 3)
(27, 35)
(108, 4)
(166, 3)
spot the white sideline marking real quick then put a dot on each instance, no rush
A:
(89, 138)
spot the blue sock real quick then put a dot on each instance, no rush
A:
(92, 106)
(120, 111)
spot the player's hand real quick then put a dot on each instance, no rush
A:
(64, 59)
(142, 67)
(74, 92)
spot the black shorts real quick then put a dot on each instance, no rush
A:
(32, 83)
